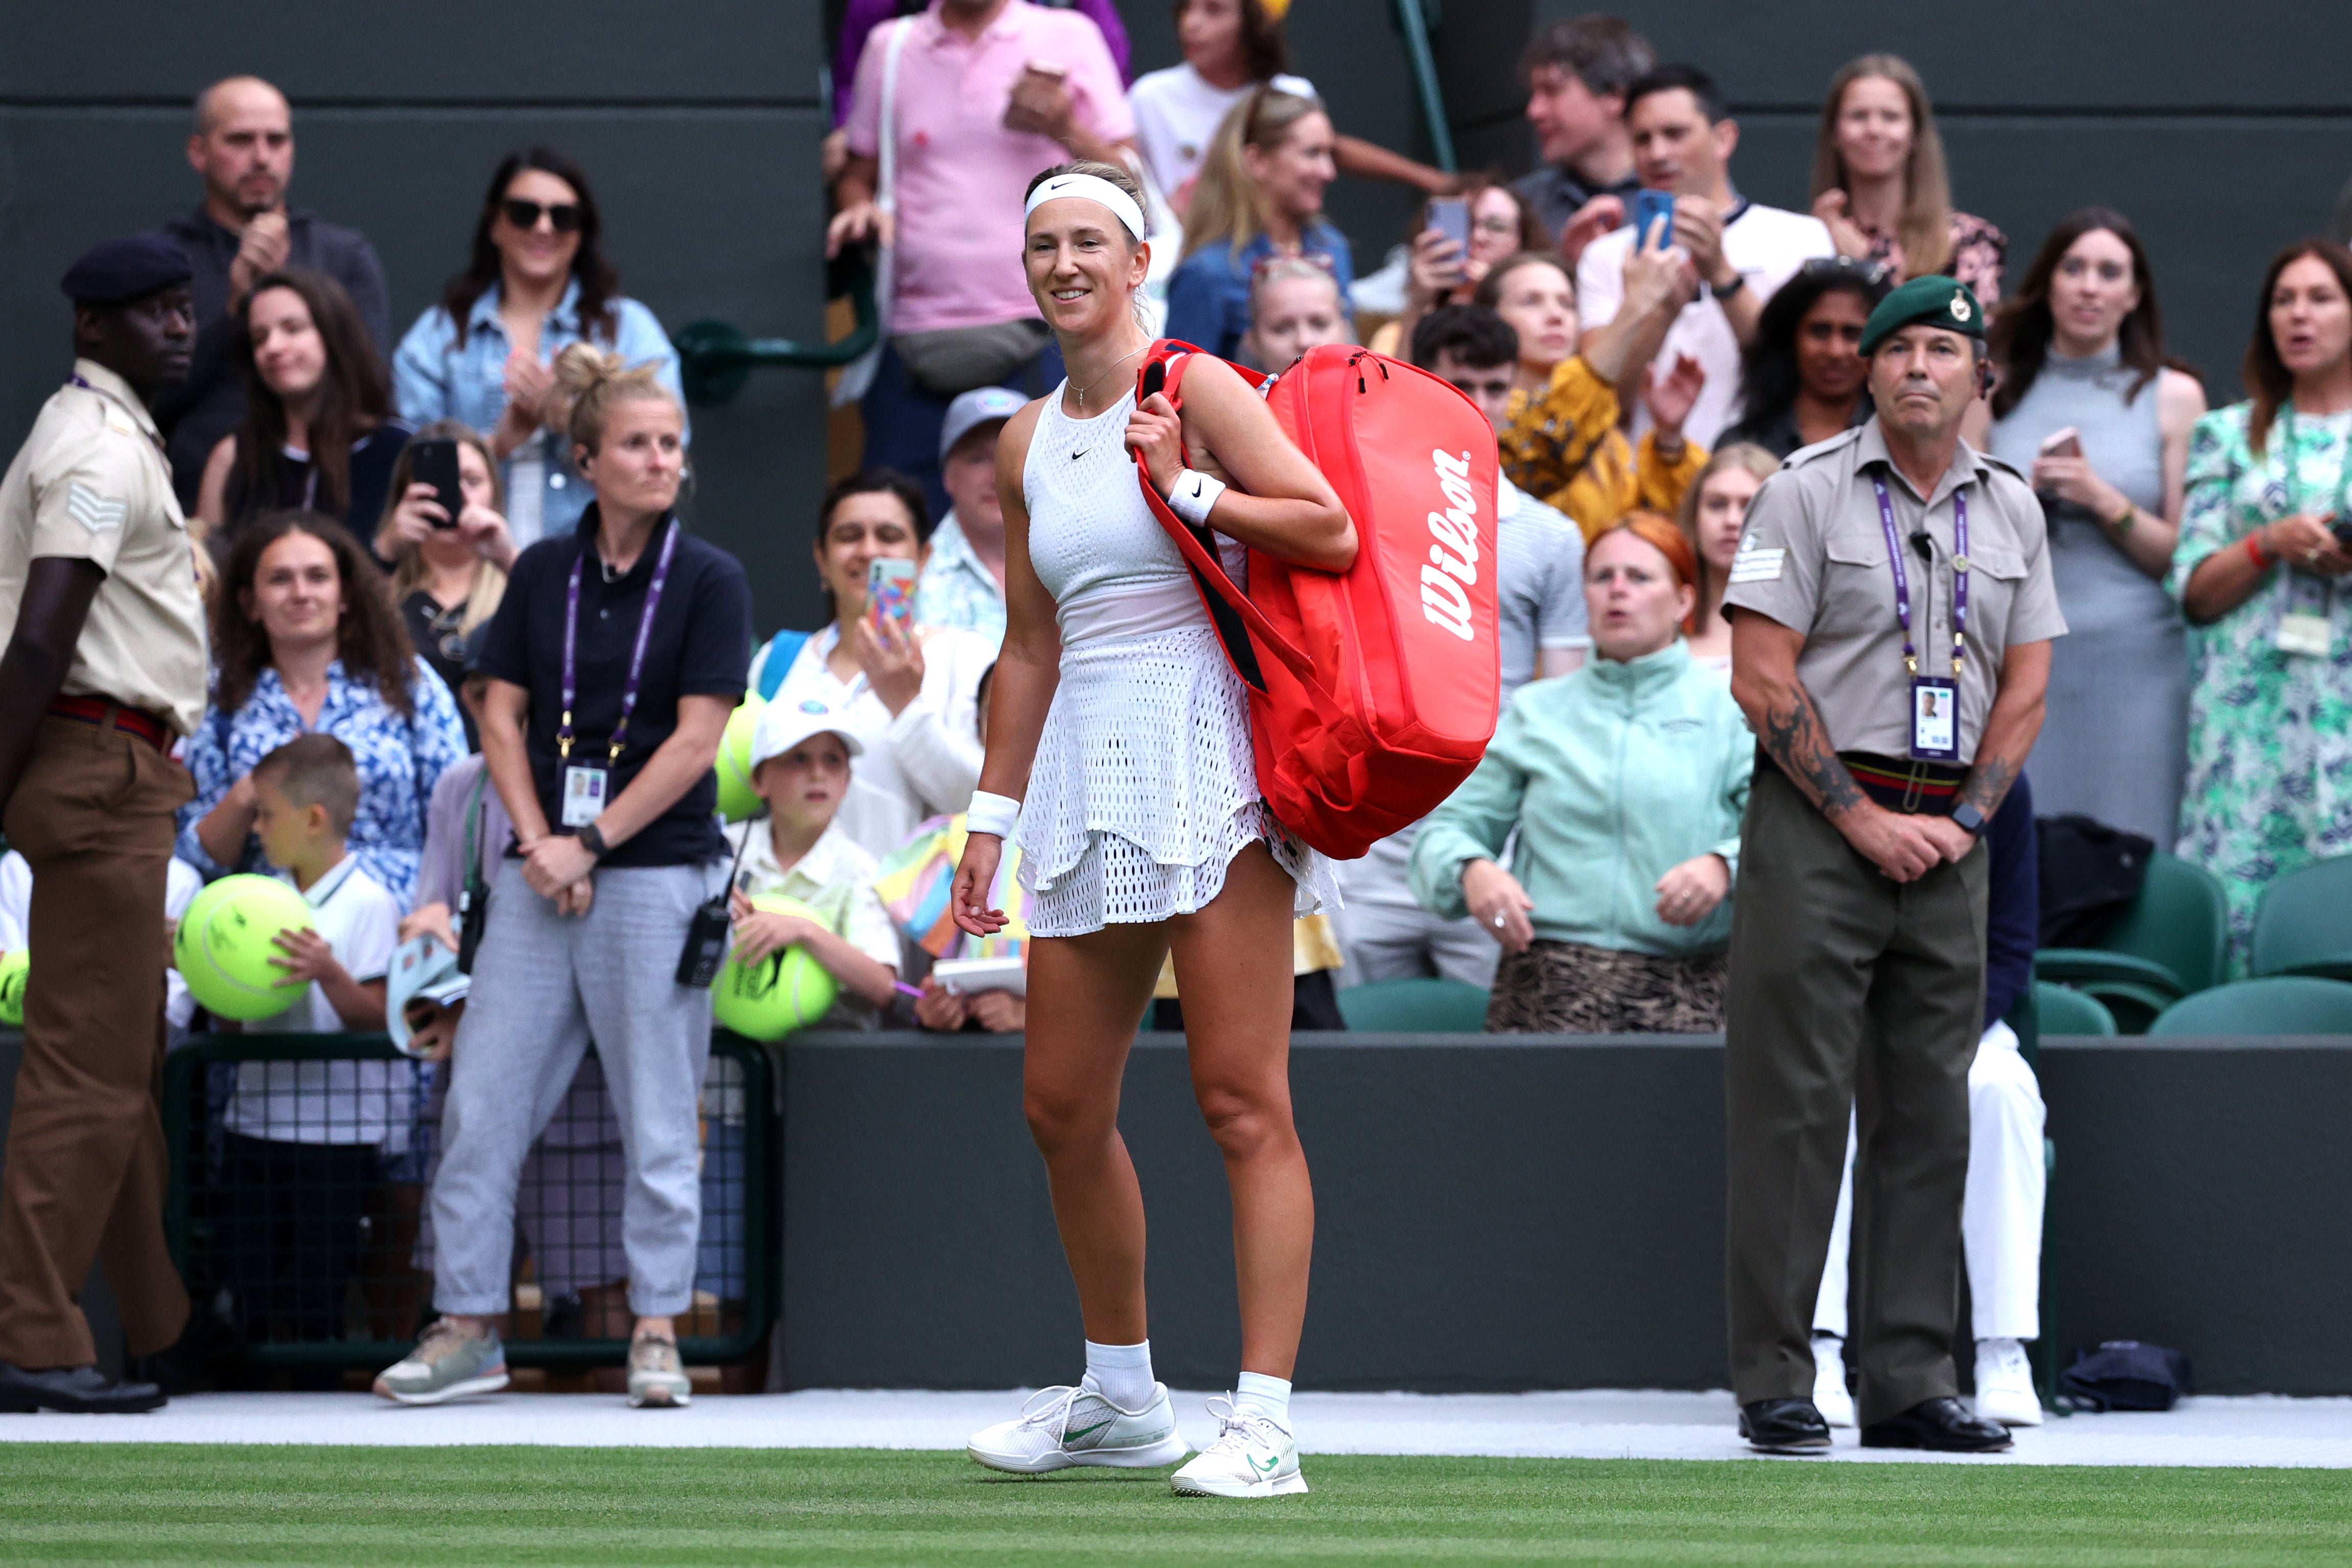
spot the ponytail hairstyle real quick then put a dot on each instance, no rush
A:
(1225, 203)
(589, 381)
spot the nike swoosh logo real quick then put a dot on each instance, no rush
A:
(1068, 1438)
(1197, 487)
(1081, 451)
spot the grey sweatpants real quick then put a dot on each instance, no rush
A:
(543, 985)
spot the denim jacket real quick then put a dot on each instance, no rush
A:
(1209, 294)
(434, 378)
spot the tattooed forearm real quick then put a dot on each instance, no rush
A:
(1988, 784)
(1794, 738)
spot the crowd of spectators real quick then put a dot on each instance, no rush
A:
(1642, 385)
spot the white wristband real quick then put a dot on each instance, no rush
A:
(1194, 494)
(992, 814)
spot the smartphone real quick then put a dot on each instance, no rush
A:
(890, 590)
(2067, 443)
(434, 463)
(1450, 216)
(1651, 208)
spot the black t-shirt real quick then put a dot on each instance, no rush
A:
(433, 632)
(291, 484)
(700, 646)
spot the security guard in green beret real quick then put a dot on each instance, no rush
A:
(1892, 611)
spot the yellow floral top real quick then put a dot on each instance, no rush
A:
(1564, 448)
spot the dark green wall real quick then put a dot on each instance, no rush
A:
(699, 130)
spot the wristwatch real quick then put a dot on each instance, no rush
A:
(1969, 819)
(1726, 291)
(590, 840)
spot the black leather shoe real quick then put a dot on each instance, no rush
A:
(75, 1390)
(1784, 1426)
(1945, 1426)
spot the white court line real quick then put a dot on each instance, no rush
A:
(1596, 1423)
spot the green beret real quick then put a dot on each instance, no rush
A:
(1935, 299)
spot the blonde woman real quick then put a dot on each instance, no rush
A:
(1259, 197)
(1713, 512)
(448, 573)
(1880, 185)
(613, 662)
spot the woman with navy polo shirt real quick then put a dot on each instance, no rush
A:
(615, 659)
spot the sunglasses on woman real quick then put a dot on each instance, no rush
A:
(564, 216)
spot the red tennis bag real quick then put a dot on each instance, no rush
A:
(1372, 692)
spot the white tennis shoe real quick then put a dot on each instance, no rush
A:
(1062, 1426)
(2005, 1384)
(1250, 1458)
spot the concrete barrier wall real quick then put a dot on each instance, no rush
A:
(1537, 1212)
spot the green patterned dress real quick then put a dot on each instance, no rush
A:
(2269, 733)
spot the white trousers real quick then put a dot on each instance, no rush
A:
(2001, 1217)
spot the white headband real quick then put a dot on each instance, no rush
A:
(1089, 188)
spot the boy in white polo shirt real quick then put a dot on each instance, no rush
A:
(303, 1138)
(800, 767)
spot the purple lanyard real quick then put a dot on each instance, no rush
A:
(1903, 581)
(564, 733)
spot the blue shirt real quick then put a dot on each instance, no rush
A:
(435, 377)
(400, 760)
(1209, 297)
(955, 588)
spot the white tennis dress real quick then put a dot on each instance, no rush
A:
(1144, 788)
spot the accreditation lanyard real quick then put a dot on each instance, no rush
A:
(2306, 625)
(1934, 701)
(564, 734)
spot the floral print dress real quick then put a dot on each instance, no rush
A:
(2270, 732)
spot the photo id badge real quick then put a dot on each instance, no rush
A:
(584, 794)
(2304, 629)
(1935, 720)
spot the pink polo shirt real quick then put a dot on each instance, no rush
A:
(961, 172)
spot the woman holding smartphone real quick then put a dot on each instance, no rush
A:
(1119, 740)
(910, 694)
(448, 568)
(2087, 406)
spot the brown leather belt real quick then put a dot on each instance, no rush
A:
(106, 713)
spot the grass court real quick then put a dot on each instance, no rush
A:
(129, 1504)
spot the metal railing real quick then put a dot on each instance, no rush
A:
(323, 1251)
(1417, 20)
(715, 358)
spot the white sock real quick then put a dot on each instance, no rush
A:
(1120, 1372)
(1263, 1395)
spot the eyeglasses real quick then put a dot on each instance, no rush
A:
(564, 216)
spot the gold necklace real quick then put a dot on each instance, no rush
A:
(1106, 376)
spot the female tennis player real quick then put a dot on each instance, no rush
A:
(1120, 741)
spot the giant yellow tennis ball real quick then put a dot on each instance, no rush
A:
(786, 990)
(14, 969)
(226, 940)
(736, 799)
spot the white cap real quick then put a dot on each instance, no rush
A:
(784, 724)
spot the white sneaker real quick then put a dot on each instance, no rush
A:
(1062, 1426)
(2005, 1384)
(1250, 1458)
(1830, 1395)
(658, 1379)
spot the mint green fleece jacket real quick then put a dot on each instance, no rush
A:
(1613, 775)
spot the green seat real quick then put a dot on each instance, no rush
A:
(2059, 1010)
(1415, 1007)
(2303, 924)
(2278, 1004)
(2168, 943)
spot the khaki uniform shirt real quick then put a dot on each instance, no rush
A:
(90, 484)
(1812, 556)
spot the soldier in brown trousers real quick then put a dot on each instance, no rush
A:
(103, 666)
